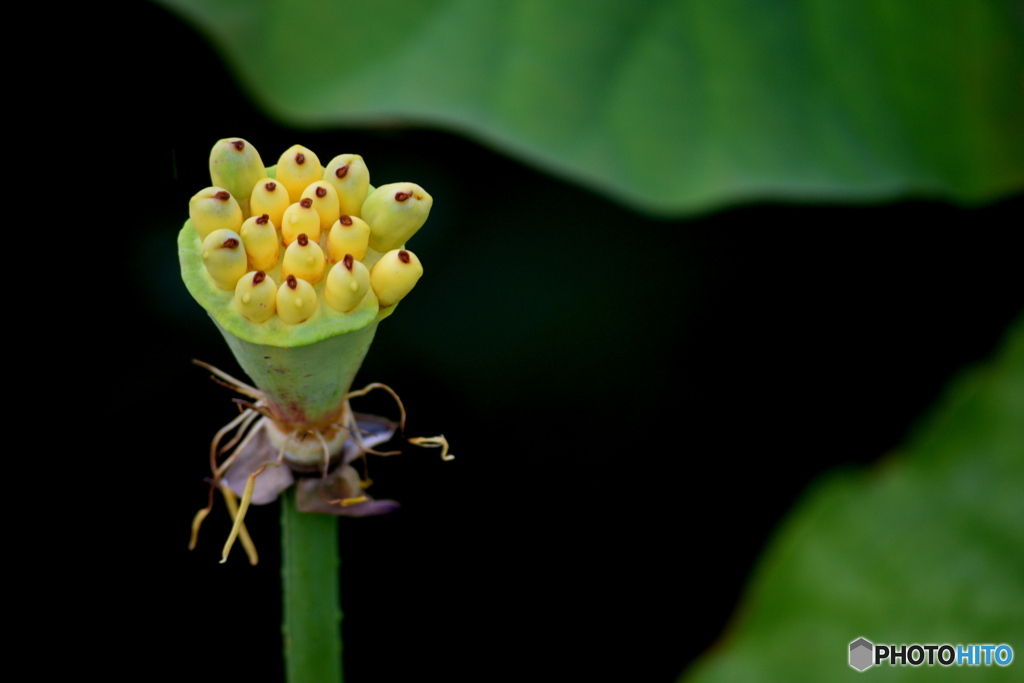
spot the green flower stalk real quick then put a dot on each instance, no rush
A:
(297, 264)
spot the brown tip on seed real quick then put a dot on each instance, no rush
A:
(238, 144)
(270, 187)
(230, 243)
(302, 240)
(222, 195)
(342, 172)
(291, 282)
(403, 256)
(402, 196)
(306, 203)
(348, 261)
(346, 220)
(259, 277)
(263, 220)
(300, 158)
(321, 192)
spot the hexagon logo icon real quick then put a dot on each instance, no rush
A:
(860, 654)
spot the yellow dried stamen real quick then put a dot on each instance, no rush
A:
(219, 472)
(355, 433)
(433, 442)
(327, 451)
(243, 534)
(197, 521)
(250, 486)
(237, 385)
(344, 502)
(215, 443)
(377, 385)
(228, 385)
(244, 419)
(260, 408)
(239, 432)
(284, 446)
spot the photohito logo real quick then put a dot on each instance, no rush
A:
(864, 654)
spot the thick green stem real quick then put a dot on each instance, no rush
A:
(312, 607)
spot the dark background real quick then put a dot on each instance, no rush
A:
(633, 403)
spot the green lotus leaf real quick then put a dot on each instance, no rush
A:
(674, 106)
(927, 547)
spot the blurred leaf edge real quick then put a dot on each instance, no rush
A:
(919, 548)
(841, 105)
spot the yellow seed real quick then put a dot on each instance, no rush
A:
(395, 212)
(224, 257)
(325, 201)
(304, 259)
(214, 209)
(394, 276)
(296, 169)
(269, 197)
(296, 300)
(300, 219)
(256, 296)
(262, 245)
(348, 235)
(235, 165)
(347, 284)
(350, 177)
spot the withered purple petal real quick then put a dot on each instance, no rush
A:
(257, 453)
(313, 494)
(373, 430)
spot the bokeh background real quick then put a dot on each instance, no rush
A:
(634, 401)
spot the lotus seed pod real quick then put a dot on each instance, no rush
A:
(325, 201)
(394, 276)
(350, 177)
(296, 300)
(395, 212)
(235, 165)
(348, 235)
(224, 257)
(256, 296)
(303, 372)
(296, 169)
(300, 218)
(304, 259)
(347, 284)
(269, 197)
(261, 243)
(214, 209)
